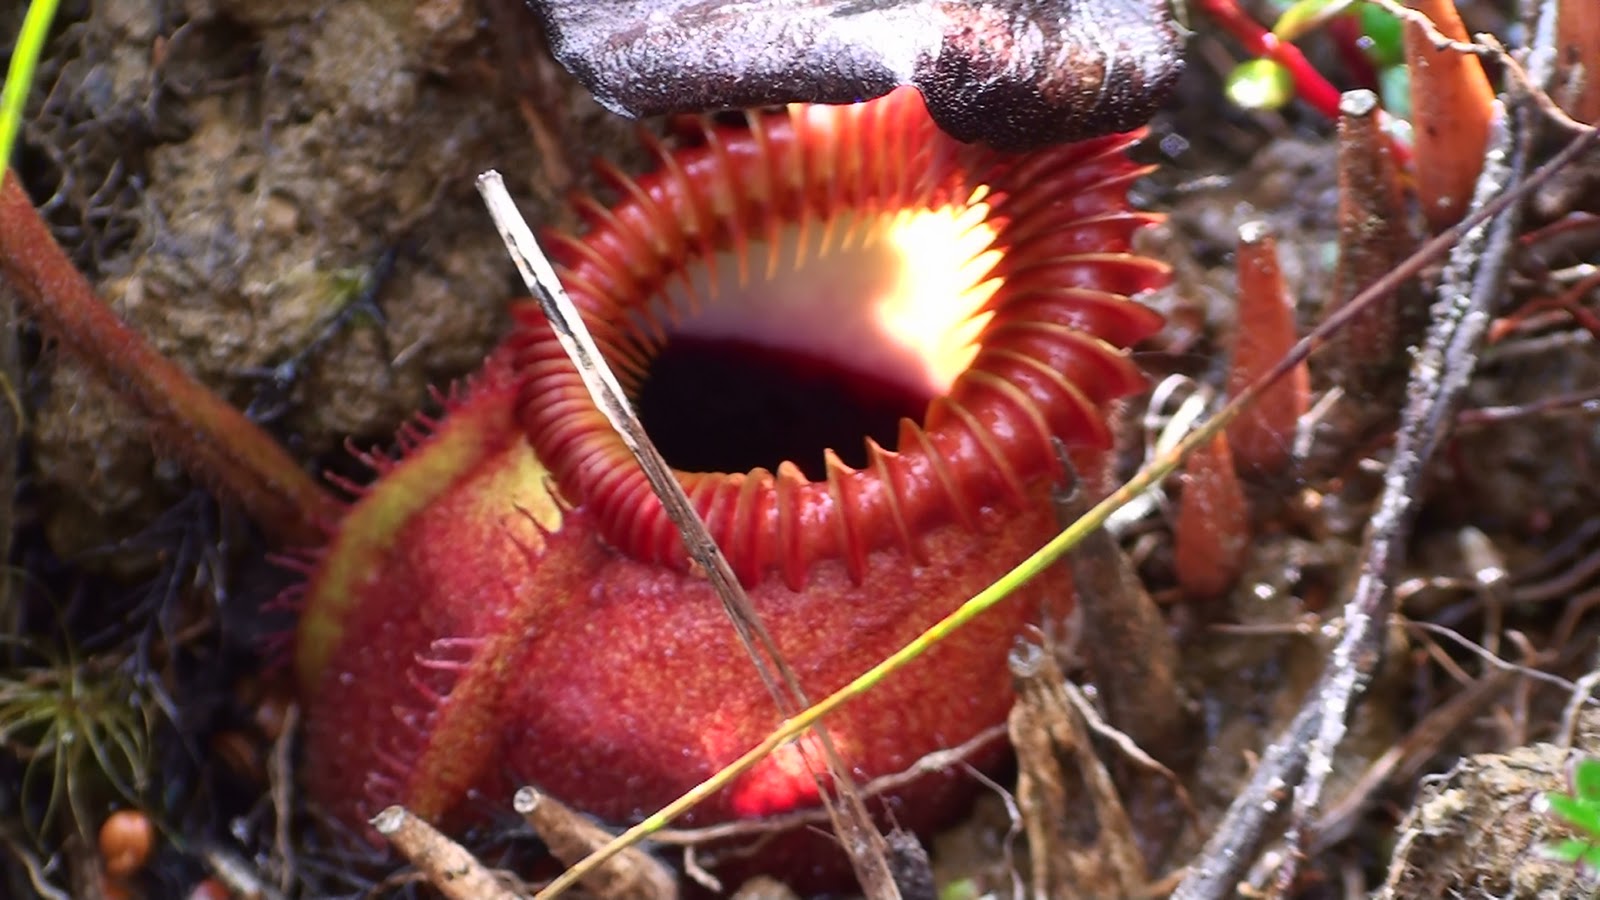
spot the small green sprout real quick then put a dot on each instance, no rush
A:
(1581, 810)
(1260, 84)
(78, 730)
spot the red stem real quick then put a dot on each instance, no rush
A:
(1346, 33)
(1569, 301)
(220, 446)
(1309, 84)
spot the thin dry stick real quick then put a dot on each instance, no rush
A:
(280, 779)
(1494, 661)
(1401, 761)
(237, 874)
(1130, 750)
(1473, 280)
(1582, 692)
(633, 875)
(1541, 58)
(448, 865)
(1233, 845)
(937, 761)
(851, 821)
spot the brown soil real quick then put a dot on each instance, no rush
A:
(252, 177)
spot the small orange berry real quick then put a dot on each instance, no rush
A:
(126, 838)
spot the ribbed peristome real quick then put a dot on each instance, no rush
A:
(1047, 363)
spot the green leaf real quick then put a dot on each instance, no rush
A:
(1260, 84)
(1307, 16)
(1586, 780)
(1585, 853)
(963, 889)
(1394, 88)
(1580, 814)
(1385, 36)
(1568, 850)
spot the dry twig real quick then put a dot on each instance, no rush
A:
(452, 870)
(632, 874)
(1303, 755)
(1059, 776)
